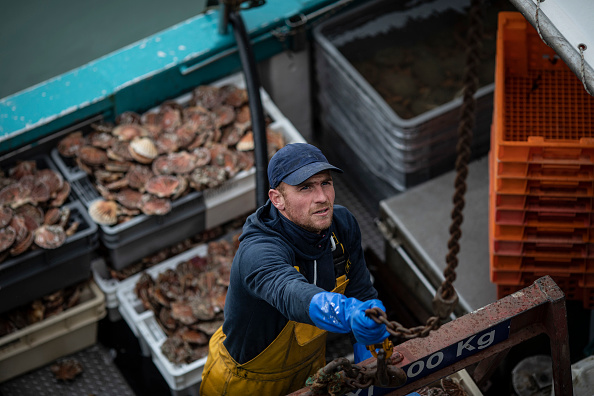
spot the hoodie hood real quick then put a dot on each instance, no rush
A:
(267, 220)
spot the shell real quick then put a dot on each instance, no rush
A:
(69, 146)
(52, 216)
(22, 168)
(223, 115)
(234, 96)
(152, 205)
(50, 178)
(50, 236)
(143, 150)
(162, 185)
(104, 212)
(61, 195)
(174, 163)
(7, 237)
(129, 198)
(138, 175)
(120, 151)
(92, 156)
(22, 245)
(246, 143)
(127, 132)
(6, 214)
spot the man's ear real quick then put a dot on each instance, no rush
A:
(276, 198)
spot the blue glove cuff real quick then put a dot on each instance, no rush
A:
(361, 352)
(328, 311)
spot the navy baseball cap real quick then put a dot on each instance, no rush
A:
(295, 163)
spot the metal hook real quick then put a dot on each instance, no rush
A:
(582, 47)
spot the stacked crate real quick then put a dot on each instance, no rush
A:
(541, 168)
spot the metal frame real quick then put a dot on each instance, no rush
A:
(485, 336)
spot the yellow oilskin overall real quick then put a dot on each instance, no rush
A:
(283, 367)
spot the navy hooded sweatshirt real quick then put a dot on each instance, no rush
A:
(266, 291)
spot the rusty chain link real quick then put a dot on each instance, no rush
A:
(341, 376)
(467, 121)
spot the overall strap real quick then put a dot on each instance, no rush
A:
(342, 262)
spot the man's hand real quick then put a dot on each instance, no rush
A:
(365, 330)
(339, 314)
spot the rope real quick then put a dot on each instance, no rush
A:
(467, 121)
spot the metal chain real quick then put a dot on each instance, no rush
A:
(341, 376)
(467, 121)
(399, 331)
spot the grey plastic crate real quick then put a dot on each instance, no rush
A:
(33, 274)
(398, 151)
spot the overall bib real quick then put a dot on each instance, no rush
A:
(283, 367)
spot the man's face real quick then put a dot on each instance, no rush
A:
(310, 204)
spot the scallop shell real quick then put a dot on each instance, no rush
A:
(50, 236)
(162, 185)
(152, 205)
(246, 143)
(143, 150)
(92, 156)
(7, 237)
(22, 245)
(128, 132)
(104, 212)
(6, 214)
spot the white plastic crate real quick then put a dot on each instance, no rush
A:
(183, 379)
(57, 336)
(130, 306)
(109, 287)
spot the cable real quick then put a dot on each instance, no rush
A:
(252, 80)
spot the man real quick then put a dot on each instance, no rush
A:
(298, 273)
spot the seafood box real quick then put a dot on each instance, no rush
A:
(56, 336)
(130, 306)
(176, 335)
(183, 379)
(37, 272)
(390, 78)
(143, 234)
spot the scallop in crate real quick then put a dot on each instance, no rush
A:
(47, 239)
(156, 178)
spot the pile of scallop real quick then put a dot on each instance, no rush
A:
(40, 309)
(32, 210)
(188, 300)
(145, 161)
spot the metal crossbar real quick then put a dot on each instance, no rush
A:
(485, 336)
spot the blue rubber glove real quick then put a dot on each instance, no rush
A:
(361, 352)
(339, 314)
(365, 330)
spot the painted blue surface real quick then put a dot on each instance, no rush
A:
(142, 74)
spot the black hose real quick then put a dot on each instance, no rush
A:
(252, 80)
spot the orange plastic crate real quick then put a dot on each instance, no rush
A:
(526, 170)
(542, 218)
(551, 188)
(542, 234)
(541, 110)
(542, 249)
(561, 265)
(535, 202)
